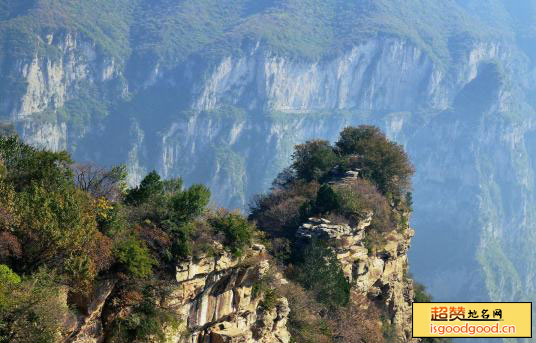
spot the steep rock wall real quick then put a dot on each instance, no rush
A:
(231, 123)
(215, 300)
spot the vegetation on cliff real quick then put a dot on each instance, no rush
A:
(66, 227)
(304, 189)
(314, 186)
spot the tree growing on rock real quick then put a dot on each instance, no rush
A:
(383, 162)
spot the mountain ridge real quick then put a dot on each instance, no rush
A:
(452, 81)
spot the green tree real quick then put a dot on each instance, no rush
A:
(327, 200)
(238, 231)
(313, 159)
(149, 186)
(321, 272)
(181, 246)
(48, 220)
(381, 161)
(146, 322)
(134, 256)
(54, 224)
(189, 204)
(33, 310)
(26, 165)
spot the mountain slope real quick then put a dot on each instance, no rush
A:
(219, 92)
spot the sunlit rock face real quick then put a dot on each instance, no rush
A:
(380, 275)
(212, 300)
(214, 297)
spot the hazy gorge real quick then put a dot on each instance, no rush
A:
(230, 118)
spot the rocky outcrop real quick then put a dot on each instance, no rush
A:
(380, 274)
(215, 297)
(88, 327)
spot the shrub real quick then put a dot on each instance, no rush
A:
(203, 237)
(278, 215)
(181, 246)
(111, 217)
(359, 310)
(165, 204)
(374, 241)
(157, 240)
(320, 271)
(7, 276)
(10, 247)
(54, 224)
(147, 320)
(280, 210)
(156, 210)
(101, 252)
(270, 299)
(238, 232)
(358, 197)
(33, 310)
(409, 201)
(389, 331)
(305, 323)
(312, 160)
(150, 185)
(81, 271)
(421, 295)
(284, 179)
(327, 200)
(190, 203)
(381, 161)
(26, 165)
(134, 257)
(265, 286)
(280, 248)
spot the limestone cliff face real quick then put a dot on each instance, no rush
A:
(379, 274)
(231, 123)
(216, 298)
(68, 65)
(213, 299)
(379, 74)
(53, 79)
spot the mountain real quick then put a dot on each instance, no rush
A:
(85, 259)
(220, 91)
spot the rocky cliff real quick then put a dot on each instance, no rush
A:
(457, 99)
(213, 300)
(216, 297)
(380, 274)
